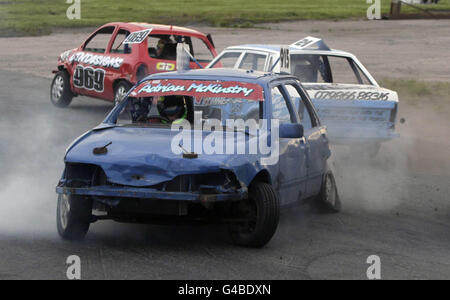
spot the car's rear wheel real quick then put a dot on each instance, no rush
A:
(60, 93)
(73, 216)
(261, 212)
(328, 200)
(120, 91)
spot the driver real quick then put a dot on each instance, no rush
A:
(161, 45)
(171, 109)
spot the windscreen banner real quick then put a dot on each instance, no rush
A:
(199, 89)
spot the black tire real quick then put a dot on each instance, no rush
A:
(60, 93)
(120, 90)
(328, 200)
(73, 220)
(262, 208)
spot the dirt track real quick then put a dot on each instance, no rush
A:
(416, 49)
(396, 205)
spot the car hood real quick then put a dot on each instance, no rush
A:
(142, 156)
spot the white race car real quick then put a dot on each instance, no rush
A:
(356, 110)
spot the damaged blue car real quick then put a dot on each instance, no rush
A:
(213, 145)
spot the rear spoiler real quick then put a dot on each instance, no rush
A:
(310, 42)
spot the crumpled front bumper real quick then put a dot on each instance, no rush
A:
(153, 194)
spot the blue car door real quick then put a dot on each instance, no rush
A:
(290, 181)
(315, 138)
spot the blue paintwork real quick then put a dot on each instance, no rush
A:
(146, 151)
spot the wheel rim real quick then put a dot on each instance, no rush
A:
(58, 87)
(330, 194)
(120, 94)
(64, 210)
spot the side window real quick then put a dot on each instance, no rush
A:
(364, 78)
(342, 71)
(309, 68)
(162, 47)
(200, 51)
(99, 41)
(118, 46)
(302, 106)
(270, 64)
(253, 61)
(228, 60)
(280, 109)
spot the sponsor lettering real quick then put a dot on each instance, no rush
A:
(96, 60)
(199, 88)
(162, 66)
(351, 95)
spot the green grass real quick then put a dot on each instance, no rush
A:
(416, 92)
(36, 17)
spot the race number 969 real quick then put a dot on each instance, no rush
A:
(89, 78)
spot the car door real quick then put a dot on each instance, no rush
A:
(162, 51)
(315, 137)
(127, 54)
(164, 60)
(291, 172)
(88, 76)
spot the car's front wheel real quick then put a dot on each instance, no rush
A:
(73, 216)
(260, 212)
(60, 93)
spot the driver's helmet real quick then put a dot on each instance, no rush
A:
(161, 44)
(172, 106)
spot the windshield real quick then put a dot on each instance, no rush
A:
(165, 102)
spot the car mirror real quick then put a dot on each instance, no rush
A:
(291, 130)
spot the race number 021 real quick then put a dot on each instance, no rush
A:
(89, 78)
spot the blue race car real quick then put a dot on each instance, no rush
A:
(213, 145)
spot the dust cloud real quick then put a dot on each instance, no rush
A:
(382, 183)
(31, 163)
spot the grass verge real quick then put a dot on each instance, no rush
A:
(414, 92)
(37, 17)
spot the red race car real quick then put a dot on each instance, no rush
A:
(117, 55)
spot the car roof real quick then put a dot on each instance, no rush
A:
(275, 49)
(221, 74)
(158, 28)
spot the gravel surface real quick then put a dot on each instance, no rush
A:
(395, 205)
